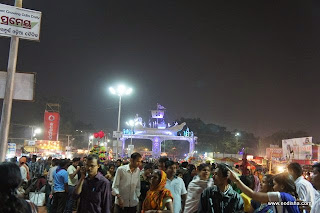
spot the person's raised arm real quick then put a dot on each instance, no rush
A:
(258, 196)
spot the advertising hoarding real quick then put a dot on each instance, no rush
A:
(23, 86)
(297, 148)
(51, 126)
(20, 22)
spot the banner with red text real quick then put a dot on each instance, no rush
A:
(51, 126)
(19, 22)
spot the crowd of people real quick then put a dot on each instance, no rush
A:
(133, 185)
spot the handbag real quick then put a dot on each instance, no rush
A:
(38, 198)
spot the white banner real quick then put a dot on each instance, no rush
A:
(23, 86)
(297, 148)
(20, 22)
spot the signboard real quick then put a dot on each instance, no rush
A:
(20, 22)
(31, 143)
(117, 134)
(23, 86)
(51, 126)
(11, 149)
(297, 148)
(276, 153)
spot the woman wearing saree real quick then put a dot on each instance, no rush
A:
(158, 198)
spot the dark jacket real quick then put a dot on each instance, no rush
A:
(213, 201)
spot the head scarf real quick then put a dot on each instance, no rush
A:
(156, 194)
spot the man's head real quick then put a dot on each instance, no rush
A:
(295, 170)
(55, 162)
(162, 162)
(49, 160)
(248, 181)
(64, 163)
(148, 169)
(170, 168)
(23, 160)
(135, 160)
(221, 175)
(75, 162)
(118, 162)
(184, 164)
(34, 158)
(316, 176)
(92, 165)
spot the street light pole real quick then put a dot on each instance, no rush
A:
(118, 129)
(120, 90)
(32, 132)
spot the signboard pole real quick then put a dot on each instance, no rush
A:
(7, 101)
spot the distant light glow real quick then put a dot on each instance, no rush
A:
(91, 137)
(37, 131)
(120, 90)
(280, 169)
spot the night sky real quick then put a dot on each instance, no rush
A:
(249, 65)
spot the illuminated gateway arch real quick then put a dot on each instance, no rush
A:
(158, 131)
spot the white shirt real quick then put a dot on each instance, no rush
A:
(177, 188)
(195, 189)
(305, 190)
(50, 175)
(71, 170)
(127, 185)
(23, 172)
(316, 205)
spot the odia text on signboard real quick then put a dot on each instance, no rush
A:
(19, 22)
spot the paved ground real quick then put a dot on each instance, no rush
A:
(42, 209)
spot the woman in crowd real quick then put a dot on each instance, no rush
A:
(196, 187)
(10, 180)
(284, 191)
(158, 198)
(111, 173)
(266, 186)
(145, 182)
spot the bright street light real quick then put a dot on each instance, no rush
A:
(120, 90)
(237, 134)
(37, 131)
(91, 137)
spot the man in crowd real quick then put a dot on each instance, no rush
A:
(33, 166)
(118, 163)
(316, 183)
(60, 177)
(304, 188)
(93, 190)
(49, 189)
(176, 186)
(24, 169)
(126, 186)
(221, 197)
(73, 170)
(162, 163)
